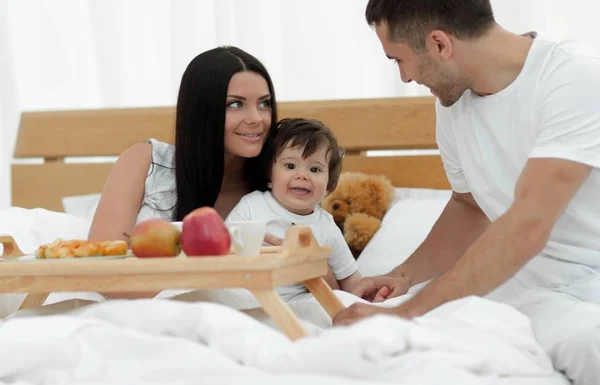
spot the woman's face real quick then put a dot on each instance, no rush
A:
(248, 114)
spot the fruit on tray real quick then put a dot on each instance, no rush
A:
(204, 233)
(155, 237)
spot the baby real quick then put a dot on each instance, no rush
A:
(305, 166)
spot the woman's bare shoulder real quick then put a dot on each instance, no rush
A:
(122, 194)
(137, 154)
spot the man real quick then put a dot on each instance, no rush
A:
(518, 128)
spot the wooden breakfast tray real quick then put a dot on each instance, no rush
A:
(299, 259)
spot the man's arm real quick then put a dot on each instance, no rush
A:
(543, 192)
(460, 223)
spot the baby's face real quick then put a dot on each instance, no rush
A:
(300, 184)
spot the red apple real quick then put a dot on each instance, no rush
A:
(155, 237)
(204, 233)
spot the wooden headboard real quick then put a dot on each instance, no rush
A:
(360, 125)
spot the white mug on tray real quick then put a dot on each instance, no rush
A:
(247, 236)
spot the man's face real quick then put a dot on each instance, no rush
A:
(427, 67)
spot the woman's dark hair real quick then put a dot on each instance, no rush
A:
(200, 128)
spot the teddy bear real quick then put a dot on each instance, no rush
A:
(358, 205)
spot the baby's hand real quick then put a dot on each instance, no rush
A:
(273, 240)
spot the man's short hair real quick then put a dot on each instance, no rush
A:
(411, 20)
(309, 135)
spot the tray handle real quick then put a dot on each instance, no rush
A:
(10, 247)
(299, 237)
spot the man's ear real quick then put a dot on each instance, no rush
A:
(440, 43)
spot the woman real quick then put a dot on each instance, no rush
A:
(225, 114)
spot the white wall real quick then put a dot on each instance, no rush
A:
(70, 54)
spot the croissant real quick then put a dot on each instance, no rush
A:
(78, 248)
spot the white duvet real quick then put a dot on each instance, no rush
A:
(164, 341)
(472, 341)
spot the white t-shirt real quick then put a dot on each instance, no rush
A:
(262, 206)
(551, 110)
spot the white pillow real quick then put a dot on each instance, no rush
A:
(82, 206)
(402, 193)
(404, 227)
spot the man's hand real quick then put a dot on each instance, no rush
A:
(378, 289)
(359, 311)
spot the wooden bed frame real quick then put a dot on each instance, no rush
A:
(362, 125)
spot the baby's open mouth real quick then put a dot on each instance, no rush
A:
(300, 191)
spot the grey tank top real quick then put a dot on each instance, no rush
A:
(160, 194)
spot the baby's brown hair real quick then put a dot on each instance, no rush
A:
(309, 134)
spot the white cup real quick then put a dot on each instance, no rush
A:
(247, 237)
